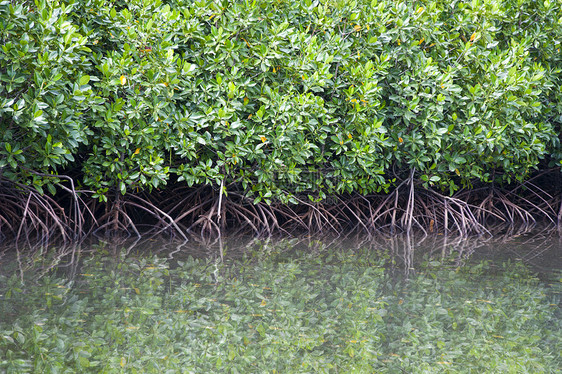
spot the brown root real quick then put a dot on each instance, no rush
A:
(71, 215)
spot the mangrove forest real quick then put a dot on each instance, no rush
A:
(187, 117)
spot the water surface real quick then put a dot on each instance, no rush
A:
(300, 305)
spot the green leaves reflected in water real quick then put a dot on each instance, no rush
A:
(337, 312)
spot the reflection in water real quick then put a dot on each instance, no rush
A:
(541, 249)
(291, 305)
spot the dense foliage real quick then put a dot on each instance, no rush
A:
(276, 97)
(313, 311)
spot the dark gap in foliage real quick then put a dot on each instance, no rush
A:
(203, 211)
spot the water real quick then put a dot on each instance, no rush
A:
(300, 305)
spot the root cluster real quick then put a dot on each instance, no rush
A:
(72, 215)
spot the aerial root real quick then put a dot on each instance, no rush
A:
(73, 215)
(27, 215)
(407, 208)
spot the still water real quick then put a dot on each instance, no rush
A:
(300, 305)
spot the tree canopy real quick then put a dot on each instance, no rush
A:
(275, 98)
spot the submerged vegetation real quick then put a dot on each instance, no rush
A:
(277, 309)
(273, 115)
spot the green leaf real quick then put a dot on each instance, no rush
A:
(84, 80)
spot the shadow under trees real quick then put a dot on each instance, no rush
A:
(71, 215)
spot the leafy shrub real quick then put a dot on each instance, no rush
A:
(45, 91)
(275, 98)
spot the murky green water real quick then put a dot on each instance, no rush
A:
(396, 305)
